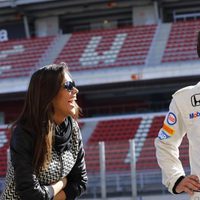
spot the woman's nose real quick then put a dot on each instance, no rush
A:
(75, 90)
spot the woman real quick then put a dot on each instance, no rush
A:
(46, 150)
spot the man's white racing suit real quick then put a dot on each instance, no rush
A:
(183, 117)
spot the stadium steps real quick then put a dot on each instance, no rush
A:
(53, 50)
(140, 137)
(147, 159)
(158, 44)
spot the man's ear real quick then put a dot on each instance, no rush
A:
(198, 44)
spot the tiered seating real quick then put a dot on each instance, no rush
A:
(182, 42)
(19, 57)
(116, 134)
(147, 159)
(108, 48)
(184, 152)
(4, 145)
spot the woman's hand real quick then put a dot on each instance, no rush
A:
(60, 196)
(59, 186)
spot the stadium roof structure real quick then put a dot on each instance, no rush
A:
(77, 11)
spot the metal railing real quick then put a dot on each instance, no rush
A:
(111, 175)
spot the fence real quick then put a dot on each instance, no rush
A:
(129, 170)
(121, 177)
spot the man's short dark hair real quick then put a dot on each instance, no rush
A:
(198, 44)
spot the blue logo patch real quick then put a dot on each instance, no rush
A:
(171, 118)
(194, 115)
(163, 135)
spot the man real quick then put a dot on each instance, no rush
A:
(183, 117)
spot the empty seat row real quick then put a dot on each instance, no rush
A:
(24, 54)
(83, 48)
(182, 42)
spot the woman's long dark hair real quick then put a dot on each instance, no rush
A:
(37, 113)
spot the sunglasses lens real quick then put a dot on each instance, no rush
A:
(69, 85)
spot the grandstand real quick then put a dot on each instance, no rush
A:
(127, 58)
(19, 58)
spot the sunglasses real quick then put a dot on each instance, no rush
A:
(69, 85)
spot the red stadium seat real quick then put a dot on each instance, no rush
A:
(116, 134)
(181, 45)
(4, 145)
(19, 58)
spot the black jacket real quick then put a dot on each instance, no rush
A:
(26, 185)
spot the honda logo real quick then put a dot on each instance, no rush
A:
(195, 100)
